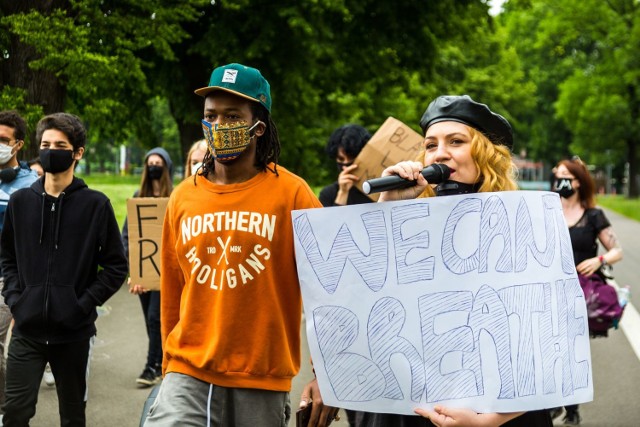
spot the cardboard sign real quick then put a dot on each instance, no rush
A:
(145, 216)
(467, 301)
(393, 142)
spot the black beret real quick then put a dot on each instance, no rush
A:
(465, 110)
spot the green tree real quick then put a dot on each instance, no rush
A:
(343, 61)
(89, 57)
(583, 56)
(328, 63)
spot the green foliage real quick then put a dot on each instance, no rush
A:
(117, 188)
(341, 61)
(100, 51)
(582, 55)
(627, 207)
(12, 98)
(329, 62)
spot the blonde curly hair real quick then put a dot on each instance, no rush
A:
(496, 170)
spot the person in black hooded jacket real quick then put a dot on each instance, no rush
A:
(61, 256)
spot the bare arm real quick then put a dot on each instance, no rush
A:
(610, 242)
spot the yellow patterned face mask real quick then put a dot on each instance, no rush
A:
(228, 140)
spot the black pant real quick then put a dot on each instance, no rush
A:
(25, 366)
(150, 302)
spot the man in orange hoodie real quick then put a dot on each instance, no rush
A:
(231, 303)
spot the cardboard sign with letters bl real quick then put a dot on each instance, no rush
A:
(145, 216)
(393, 142)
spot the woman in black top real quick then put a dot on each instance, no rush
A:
(587, 225)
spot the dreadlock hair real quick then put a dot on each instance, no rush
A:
(267, 147)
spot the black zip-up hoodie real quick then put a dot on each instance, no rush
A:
(51, 251)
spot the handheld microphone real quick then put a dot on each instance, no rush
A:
(435, 174)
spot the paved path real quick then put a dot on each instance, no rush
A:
(115, 400)
(118, 358)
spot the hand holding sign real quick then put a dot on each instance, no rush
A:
(145, 216)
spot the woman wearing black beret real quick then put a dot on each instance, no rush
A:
(475, 143)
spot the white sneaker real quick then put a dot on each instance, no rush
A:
(48, 376)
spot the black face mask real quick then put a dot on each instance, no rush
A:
(55, 161)
(342, 165)
(155, 172)
(563, 187)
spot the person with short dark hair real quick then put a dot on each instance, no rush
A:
(231, 304)
(345, 143)
(35, 165)
(61, 256)
(13, 130)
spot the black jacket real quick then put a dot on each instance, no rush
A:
(330, 192)
(50, 251)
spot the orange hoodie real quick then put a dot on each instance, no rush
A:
(231, 303)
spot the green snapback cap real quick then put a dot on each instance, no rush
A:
(240, 80)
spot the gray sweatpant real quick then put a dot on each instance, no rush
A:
(187, 401)
(5, 322)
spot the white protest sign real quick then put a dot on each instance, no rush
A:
(467, 301)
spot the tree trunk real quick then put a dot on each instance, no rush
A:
(42, 87)
(632, 142)
(633, 168)
(190, 132)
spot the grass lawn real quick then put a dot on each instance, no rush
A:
(117, 188)
(120, 188)
(627, 207)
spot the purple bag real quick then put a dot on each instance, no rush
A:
(603, 309)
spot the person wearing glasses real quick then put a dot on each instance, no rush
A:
(13, 130)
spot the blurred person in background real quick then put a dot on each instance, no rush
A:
(195, 156)
(345, 143)
(13, 130)
(588, 225)
(35, 165)
(156, 181)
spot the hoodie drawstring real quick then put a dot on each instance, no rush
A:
(42, 218)
(61, 198)
(57, 226)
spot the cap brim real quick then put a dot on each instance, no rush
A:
(204, 91)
